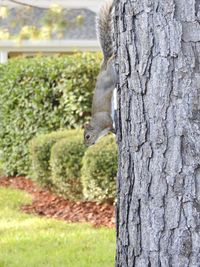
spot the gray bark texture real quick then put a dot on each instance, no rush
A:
(158, 183)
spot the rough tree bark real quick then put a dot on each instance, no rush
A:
(158, 184)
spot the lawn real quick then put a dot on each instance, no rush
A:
(31, 241)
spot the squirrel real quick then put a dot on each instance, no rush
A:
(101, 122)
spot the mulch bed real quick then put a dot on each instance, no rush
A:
(48, 204)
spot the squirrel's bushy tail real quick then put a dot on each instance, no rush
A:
(104, 27)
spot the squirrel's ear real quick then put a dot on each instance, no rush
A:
(87, 126)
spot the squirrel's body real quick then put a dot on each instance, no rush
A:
(101, 121)
(103, 91)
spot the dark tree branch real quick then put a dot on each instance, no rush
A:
(26, 4)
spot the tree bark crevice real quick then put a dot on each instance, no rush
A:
(158, 184)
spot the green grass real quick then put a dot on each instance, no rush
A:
(31, 241)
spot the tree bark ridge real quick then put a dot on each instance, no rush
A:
(158, 185)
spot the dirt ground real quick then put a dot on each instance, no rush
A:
(45, 203)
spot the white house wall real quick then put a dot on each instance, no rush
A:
(51, 46)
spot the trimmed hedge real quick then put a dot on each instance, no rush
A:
(99, 170)
(60, 161)
(40, 95)
(66, 163)
(40, 151)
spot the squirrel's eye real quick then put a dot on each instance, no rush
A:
(87, 136)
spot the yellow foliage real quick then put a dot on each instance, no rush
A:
(53, 24)
(4, 34)
(29, 32)
(56, 8)
(45, 32)
(3, 12)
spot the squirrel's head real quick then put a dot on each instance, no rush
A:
(91, 134)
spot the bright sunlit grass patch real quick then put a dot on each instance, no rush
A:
(31, 241)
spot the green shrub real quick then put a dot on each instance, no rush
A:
(99, 170)
(66, 163)
(40, 151)
(1, 169)
(41, 95)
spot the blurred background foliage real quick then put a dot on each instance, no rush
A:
(49, 23)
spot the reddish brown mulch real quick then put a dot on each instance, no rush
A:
(48, 204)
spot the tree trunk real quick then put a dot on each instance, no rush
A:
(158, 184)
